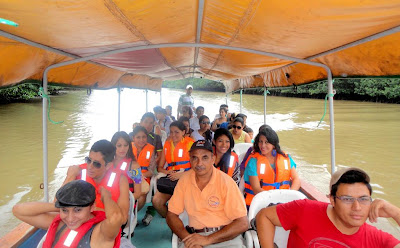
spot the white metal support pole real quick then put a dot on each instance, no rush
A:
(241, 100)
(226, 99)
(161, 97)
(147, 103)
(331, 122)
(265, 105)
(119, 107)
(45, 149)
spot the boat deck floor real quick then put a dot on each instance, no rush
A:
(157, 234)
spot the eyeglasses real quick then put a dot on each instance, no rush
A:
(95, 163)
(238, 127)
(364, 200)
(205, 122)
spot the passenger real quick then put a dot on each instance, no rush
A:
(186, 122)
(213, 202)
(342, 223)
(168, 108)
(269, 167)
(249, 151)
(147, 121)
(204, 133)
(186, 112)
(72, 221)
(176, 155)
(223, 112)
(98, 171)
(226, 159)
(194, 121)
(227, 110)
(125, 162)
(245, 127)
(250, 132)
(162, 119)
(186, 100)
(239, 136)
(144, 155)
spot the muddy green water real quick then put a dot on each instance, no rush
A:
(367, 136)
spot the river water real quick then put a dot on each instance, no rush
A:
(367, 136)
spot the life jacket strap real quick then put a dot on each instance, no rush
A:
(177, 163)
(277, 185)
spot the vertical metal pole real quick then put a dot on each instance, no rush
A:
(331, 122)
(119, 107)
(241, 100)
(147, 103)
(265, 105)
(160, 97)
(45, 152)
(226, 99)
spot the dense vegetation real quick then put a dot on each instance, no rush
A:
(24, 92)
(197, 83)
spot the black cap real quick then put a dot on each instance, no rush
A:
(201, 144)
(77, 193)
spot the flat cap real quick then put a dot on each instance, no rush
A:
(77, 193)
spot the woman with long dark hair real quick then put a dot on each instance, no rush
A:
(226, 159)
(269, 167)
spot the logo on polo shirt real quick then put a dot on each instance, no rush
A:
(213, 201)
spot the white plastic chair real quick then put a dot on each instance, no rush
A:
(153, 189)
(262, 200)
(185, 219)
(40, 244)
(132, 219)
(241, 150)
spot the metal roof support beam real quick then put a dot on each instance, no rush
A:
(241, 100)
(265, 105)
(200, 14)
(147, 102)
(153, 46)
(119, 107)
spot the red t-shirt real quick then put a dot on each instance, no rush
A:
(310, 226)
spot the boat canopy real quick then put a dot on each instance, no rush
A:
(242, 43)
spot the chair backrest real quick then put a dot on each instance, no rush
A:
(265, 198)
(241, 150)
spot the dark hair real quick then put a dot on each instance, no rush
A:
(202, 118)
(106, 148)
(138, 129)
(199, 107)
(224, 106)
(184, 118)
(223, 131)
(264, 127)
(159, 109)
(225, 160)
(189, 109)
(124, 136)
(249, 130)
(272, 138)
(148, 115)
(225, 110)
(178, 124)
(238, 119)
(168, 106)
(241, 116)
(351, 177)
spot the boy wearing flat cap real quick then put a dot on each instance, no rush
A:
(342, 223)
(71, 221)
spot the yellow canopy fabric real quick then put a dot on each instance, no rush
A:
(299, 29)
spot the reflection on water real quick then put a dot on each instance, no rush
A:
(367, 135)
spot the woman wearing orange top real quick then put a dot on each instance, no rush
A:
(226, 159)
(268, 167)
(176, 158)
(125, 162)
(143, 152)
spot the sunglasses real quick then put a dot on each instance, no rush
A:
(236, 127)
(205, 122)
(95, 163)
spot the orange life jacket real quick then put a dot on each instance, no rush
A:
(71, 238)
(267, 176)
(233, 160)
(110, 181)
(178, 157)
(144, 157)
(122, 168)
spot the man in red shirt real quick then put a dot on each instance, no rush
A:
(342, 223)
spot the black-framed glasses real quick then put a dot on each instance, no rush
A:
(364, 200)
(205, 122)
(95, 163)
(236, 127)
